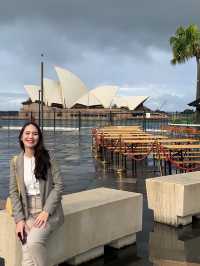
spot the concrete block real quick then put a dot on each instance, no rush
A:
(184, 220)
(10, 247)
(2, 204)
(86, 256)
(93, 218)
(124, 241)
(175, 198)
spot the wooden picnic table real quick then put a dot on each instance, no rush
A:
(132, 137)
(181, 150)
(139, 141)
(182, 147)
(122, 134)
(120, 129)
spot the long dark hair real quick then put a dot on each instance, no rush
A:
(42, 158)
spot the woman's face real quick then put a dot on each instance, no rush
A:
(30, 136)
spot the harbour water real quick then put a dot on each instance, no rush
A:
(155, 244)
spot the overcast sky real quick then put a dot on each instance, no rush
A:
(120, 42)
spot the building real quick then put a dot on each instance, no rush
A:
(69, 96)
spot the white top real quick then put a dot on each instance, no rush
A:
(31, 183)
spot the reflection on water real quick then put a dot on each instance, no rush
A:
(172, 246)
(166, 245)
(73, 152)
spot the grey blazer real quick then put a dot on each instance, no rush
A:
(50, 191)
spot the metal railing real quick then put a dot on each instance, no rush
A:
(89, 118)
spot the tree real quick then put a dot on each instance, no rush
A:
(187, 111)
(185, 45)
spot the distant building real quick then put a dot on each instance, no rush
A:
(69, 95)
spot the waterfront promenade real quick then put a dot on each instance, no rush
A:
(82, 172)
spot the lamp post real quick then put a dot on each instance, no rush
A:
(42, 93)
(54, 119)
(39, 104)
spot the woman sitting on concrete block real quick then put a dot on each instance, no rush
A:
(35, 190)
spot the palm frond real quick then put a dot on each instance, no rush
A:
(185, 44)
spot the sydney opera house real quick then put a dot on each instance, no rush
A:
(69, 95)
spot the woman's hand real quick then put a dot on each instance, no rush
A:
(20, 228)
(41, 219)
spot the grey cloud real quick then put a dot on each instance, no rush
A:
(117, 42)
(125, 27)
(105, 23)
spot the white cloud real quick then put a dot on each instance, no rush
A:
(160, 96)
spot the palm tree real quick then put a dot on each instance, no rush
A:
(185, 45)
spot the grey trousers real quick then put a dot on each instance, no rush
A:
(34, 252)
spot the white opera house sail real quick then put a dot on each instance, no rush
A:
(70, 91)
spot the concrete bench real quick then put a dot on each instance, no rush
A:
(93, 218)
(174, 199)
